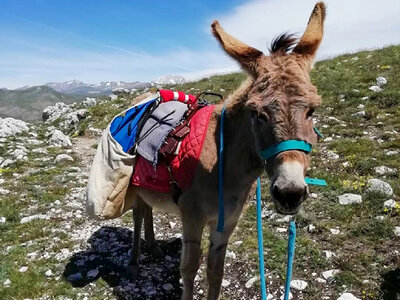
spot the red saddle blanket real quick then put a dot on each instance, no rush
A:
(183, 165)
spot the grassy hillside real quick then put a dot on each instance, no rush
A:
(28, 104)
(361, 131)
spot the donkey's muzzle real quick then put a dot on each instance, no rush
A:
(288, 197)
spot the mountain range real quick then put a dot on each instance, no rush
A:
(27, 104)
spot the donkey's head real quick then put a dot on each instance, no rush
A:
(282, 99)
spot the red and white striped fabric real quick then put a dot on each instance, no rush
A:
(168, 95)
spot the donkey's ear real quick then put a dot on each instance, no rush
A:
(247, 56)
(311, 39)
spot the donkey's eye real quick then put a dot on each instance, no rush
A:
(310, 113)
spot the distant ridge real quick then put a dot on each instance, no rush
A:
(27, 104)
(77, 87)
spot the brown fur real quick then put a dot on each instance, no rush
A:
(271, 106)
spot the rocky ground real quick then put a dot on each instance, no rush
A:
(348, 243)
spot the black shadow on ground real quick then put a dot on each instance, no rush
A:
(390, 286)
(108, 257)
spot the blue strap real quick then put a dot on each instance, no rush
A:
(291, 248)
(318, 132)
(285, 146)
(315, 181)
(221, 212)
(260, 243)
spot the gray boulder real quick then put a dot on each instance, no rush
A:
(59, 139)
(381, 81)
(11, 127)
(347, 199)
(52, 113)
(377, 186)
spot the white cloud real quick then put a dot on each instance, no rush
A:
(350, 25)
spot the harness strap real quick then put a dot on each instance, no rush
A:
(286, 146)
(221, 212)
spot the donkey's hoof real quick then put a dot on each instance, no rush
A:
(156, 252)
(133, 272)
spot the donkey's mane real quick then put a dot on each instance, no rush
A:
(283, 43)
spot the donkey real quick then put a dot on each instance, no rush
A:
(274, 104)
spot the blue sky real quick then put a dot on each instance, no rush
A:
(100, 40)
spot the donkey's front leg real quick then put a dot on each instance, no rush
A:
(190, 259)
(216, 258)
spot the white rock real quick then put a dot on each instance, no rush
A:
(329, 254)
(389, 204)
(11, 127)
(167, 286)
(364, 98)
(251, 282)
(383, 170)
(225, 283)
(23, 269)
(48, 273)
(40, 151)
(92, 273)
(396, 230)
(311, 228)
(332, 155)
(360, 106)
(230, 254)
(4, 191)
(34, 217)
(330, 274)
(7, 283)
(380, 218)
(59, 139)
(380, 187)
(334, 231)
(2, 220)
(375, 88)
(113, 97)
(320, 280)
(172, 225)
(90, 102)
(347, 296)
(381, 81)
(328, 139)
(52, 113)
(299, 285)
(347, 199)
(346, 164)
(392, 152)
(63, 157)
(281, 230)
(359, 114)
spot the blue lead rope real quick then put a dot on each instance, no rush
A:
(260, 242)
(221, 212)
(291, 248)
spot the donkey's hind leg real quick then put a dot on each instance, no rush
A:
(138, 214)
(155, 249)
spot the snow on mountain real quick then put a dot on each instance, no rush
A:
(170, 79)
(106, 87)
